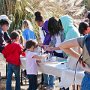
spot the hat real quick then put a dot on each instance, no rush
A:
(5, 17)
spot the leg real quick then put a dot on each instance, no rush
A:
(51, 80)
(78, 87)
(45, 79)
(32, 82)
(16, 70)
(73, 87)
(86, 82)
(67, 89)
(42, 79)
(9, 77)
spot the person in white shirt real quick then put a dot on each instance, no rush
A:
(32, 60)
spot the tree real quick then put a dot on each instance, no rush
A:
(19, 10)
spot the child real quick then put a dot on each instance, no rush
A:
(12, 54)
(28, 33)
(31, 64)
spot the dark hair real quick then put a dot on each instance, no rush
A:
(14, 35)
(38, 16)
(88, 14)
(53, 26)
(25, 22)
(60, 25)
(21, 37)
(30, 43)
(4, 22)
(82, 27)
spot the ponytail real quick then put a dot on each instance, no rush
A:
(38, 16)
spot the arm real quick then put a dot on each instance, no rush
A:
(67, 45)
(39, 58)
(86, 68)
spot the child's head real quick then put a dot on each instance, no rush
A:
(84, 28)
(4, 24)
(15, 36)
(31, 45)
(27, 24)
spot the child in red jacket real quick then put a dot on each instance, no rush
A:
(12, 54)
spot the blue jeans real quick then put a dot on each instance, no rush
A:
(48, 80)
(10, 70)
(32, 82)
(86, 82)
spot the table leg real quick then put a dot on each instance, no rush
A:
(6, 70)
(21, 77)
(42, 81)
(0, 76)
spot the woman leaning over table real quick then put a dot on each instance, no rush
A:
(70, 32)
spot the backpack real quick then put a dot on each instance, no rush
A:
(85, 45)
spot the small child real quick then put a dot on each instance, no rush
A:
(32, 60)
(12, 54)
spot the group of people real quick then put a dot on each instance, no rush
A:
(60, 38)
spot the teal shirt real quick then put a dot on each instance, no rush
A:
(70, 30)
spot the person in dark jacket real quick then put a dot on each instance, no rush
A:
(4, 37)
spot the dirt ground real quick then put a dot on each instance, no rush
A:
(25, 82)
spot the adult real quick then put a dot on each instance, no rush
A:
(57, 36)
(4, 26)
(66, 46)
(70, 31)
(48, 79)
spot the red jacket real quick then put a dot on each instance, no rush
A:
(12, 53)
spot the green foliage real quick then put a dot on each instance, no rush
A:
(18, 10)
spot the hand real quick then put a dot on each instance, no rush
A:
(38, 62)
(86, 68)
(40, 44)
(45, 55)
(82, 62)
